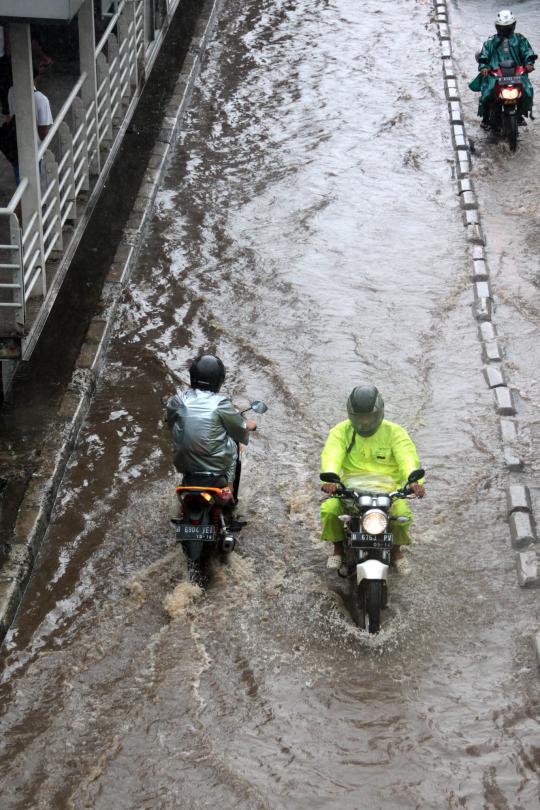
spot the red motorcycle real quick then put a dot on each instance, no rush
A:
(207, 526)
(202, 530)
(504, 103)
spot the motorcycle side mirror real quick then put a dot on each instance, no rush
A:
(258, 406)
(330, 478)
(415, 476)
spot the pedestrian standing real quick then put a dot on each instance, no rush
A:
(44, 117)
(6, 78)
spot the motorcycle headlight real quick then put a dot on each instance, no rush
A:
(374, 522)
(510, 93)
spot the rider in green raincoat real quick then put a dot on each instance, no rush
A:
(503, 46)
(367, 443)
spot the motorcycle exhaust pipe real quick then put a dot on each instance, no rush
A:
(229, 543)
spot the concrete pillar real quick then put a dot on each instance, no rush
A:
(149, 22)
(27, 137)
(87, 57)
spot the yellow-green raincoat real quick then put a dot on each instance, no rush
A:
(389, 452)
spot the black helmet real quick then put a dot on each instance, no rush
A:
(365, 408)
(207, 373)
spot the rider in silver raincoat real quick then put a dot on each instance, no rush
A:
(206, 427)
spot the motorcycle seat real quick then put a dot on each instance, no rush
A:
(202, 479)
(508, 67)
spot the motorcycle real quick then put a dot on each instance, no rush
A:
(207, 527)
(368, 539)
(504, 103)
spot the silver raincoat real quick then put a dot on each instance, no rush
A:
(205, 428)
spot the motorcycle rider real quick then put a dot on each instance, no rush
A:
(206, 427)
(502, 46)
(367, 443)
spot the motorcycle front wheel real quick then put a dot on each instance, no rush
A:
(369, 599)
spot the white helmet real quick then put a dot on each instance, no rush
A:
(505, 18)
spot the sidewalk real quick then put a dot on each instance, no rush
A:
(52, 394)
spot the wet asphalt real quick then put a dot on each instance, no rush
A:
(308, 230)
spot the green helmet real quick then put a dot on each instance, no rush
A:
(365, 408)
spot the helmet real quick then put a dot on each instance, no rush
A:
(207, 373)
(505, 19)
(365, 408)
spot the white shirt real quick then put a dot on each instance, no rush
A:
(43, 108)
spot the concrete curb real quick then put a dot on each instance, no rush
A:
(38, 502)
(521, 521)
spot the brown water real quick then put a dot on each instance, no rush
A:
(308, 231)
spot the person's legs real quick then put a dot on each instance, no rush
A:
(400, 531)
(6, 80)
(332, 529)
(16, 172)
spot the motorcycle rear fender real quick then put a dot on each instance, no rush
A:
(371, 569)
(193, 549)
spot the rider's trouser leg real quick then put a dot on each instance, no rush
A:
(332, 527)
(400, 531)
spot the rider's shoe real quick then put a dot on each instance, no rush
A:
(236, 524)
(334, 562)
(402, 566)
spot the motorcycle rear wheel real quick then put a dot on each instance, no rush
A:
(198, 572)
(369, 599)
(512, 132)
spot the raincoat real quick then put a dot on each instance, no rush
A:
(205, 429)
(389, 452)
(497, 49)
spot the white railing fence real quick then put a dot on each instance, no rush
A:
(71, 157)
(12, 297)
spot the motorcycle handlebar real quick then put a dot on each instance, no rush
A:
(342, 492)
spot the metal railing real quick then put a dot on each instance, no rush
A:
(70, 157)
(12, 296)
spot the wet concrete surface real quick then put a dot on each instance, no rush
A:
(309, 232)
(41, 382)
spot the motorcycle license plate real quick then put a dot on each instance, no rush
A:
(367, 541)
(186, 532)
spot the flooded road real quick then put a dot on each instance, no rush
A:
(309, 232)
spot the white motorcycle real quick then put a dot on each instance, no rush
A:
(368, 539)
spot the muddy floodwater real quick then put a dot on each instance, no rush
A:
(308, 230)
